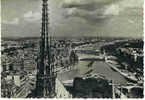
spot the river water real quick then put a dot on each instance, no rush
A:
(98, 67)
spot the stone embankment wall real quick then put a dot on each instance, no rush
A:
(61, 91)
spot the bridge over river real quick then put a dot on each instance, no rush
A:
(91, 57)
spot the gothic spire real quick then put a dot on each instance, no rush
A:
(45, 85)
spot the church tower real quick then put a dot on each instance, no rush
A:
(45, 84)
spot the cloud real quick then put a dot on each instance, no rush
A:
(112, 10)
(91, 17)
(86, 4)
(32, 16)
(132, 3)
(131, 21)
(28, 14)
(14, 21)
(93, 11)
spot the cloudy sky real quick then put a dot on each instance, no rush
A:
(118, 18)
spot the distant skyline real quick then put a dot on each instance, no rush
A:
(117, 18)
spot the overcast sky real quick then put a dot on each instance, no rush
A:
(74, 18)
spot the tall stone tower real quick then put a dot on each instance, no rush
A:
(45, 84)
